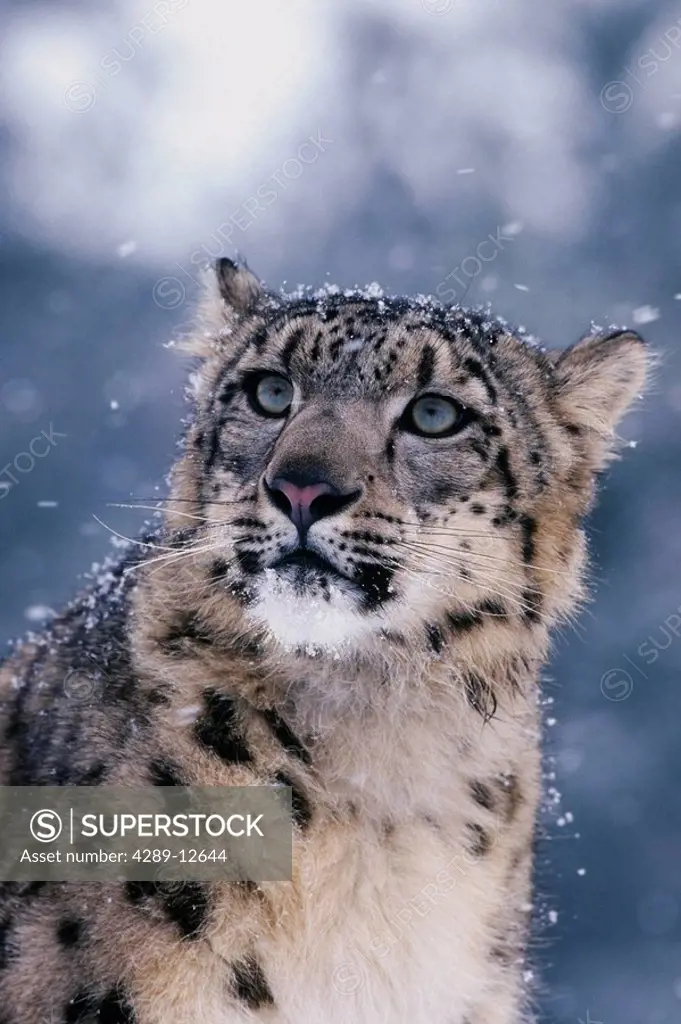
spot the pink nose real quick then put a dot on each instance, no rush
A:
(305, 494)
(304, 505)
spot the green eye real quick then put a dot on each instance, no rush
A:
(272, 394)
(433, 416)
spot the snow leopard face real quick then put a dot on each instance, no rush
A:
(362, 467)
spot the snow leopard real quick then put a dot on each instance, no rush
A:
(374, 523)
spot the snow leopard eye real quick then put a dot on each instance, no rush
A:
(434, 416)
(270, 394)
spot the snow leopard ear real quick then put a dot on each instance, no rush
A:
(597, 380)
(230, 291)
(239, 288)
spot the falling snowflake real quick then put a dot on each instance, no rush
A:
(645, 314)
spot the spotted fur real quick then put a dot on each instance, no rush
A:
(390, 678)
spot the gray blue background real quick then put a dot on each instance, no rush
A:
(131, 132)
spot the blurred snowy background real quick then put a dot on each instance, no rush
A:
(348, 142)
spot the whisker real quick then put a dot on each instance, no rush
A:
(492, 557)
(174, 555)
(496, 591)
(131, 540)
(450, 560)
(193, 501)
(152, 508)
(487, 554)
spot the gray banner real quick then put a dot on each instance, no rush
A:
(164, 834)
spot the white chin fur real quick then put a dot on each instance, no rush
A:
(304, 618)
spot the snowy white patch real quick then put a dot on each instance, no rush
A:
(188, 714)
(645, 315)
(513, 228)
(39, 613)
(304, 618)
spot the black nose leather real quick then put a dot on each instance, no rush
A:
(305, 500)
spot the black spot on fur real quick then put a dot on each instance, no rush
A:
(376, 582)
(187, 907)
(316, 347)
(291, 345)
(249, 522)
(165, 773)
(463, 622)
(383, 516)
(212, 447)
(477, 509)
(438, 491)
(573, 429)
(506, 516)
(218, 570)
(81, 1008)
(138, 892)
(249, 562)
(532, 602)
(218, 729)
(250, 984)
(528, 527)
(115, 1009)
(435, 638)
(504, 468)
(481, 842)
(366, 535)
(241, 592)
(426, 367)
(300, 805)
(286, 736)
(157, 697)
(259, 338)
(493, 608)
(69, 932)
(186, 631)
(483, 795)
(480, 448)
(480, 696)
